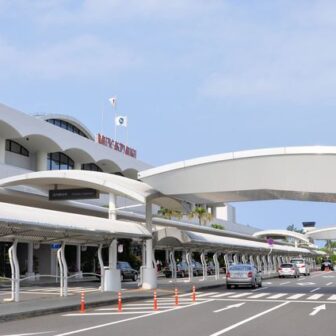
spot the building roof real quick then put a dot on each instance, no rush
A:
(278, 234)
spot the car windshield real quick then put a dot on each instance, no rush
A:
(241, 268)
(297, 261)
(286, 265)
(123, 264)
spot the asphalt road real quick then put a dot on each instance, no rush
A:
(305, 306)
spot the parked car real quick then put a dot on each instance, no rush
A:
(243, 274)
(288, 270)
(302, 265)
(181, 270)
(126, 271)
(327, 264)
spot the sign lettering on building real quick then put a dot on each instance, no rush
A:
(118, 146)
(73, 194)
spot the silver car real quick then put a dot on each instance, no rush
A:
(243, 275)
(289, 270)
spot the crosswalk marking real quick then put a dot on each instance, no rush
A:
(220, 295)
(315, 297)
(277, 296)
(257, 296)
(206, 294)
(295, 296)
(332, 297)
(240, 295)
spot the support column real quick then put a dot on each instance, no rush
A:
(204, 264)
(78, 262)
(149, 273)
(251, 260)
(215, 259)
(78, 166)
(235, 259)
(112, 280)
(15, 272)
(41, 161)
(101, 266)
(190, 266)
(2, 150)
(172, 265)
(30, 261)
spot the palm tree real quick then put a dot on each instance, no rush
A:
(168, 213)
(202, 214)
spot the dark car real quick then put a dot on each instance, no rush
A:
(126, 271)
(327, 264)
(181, 270)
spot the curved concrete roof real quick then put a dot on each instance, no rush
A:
(276, 234)
(293, 173)
(37, 135)
(323, 234)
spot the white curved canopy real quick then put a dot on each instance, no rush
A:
(28, 223)
(294, 173)
(277, 234)
(323, 234)
(102, 182)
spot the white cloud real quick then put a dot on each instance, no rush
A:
(77, 57)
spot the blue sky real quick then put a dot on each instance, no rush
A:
(194, 77)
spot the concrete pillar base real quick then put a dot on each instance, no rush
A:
(79, 275)
(112, 281)
(149, 280)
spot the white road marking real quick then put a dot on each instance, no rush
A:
(259, 289)
(188, 294)
(223, 331)
(329, 283)
(332, 297)
(206, 294)
(315, 289)
(317, 309)
(135, 308)
(257, 296)
(328, 276)
(109, 313)
(315, 297)
(237, 305)
(30, 334)
(277, 296)
(128, 319)
(221, 295)
(295, 296)
(306, 283)
(240, 295)
(284, 283)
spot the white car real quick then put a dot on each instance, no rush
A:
(302, 265)
(288, 270)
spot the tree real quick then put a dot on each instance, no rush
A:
(201, 214)
(217, 226)
(292, 227)
(168, 213)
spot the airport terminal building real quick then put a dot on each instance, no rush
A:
(59, 182)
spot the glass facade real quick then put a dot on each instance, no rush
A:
(59, 161)
(14, 147)
(91, 166)
(66, 125)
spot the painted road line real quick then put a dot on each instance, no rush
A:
(257, 296)
(206, 294)
(315, 289)
(285, 283)
(237, 305)
(188, 294)
(240, 295)
(221, 295)
(276, 296)
(329, 283)
(259, 289)
(332, 297)
(318, 309)
(134, 308)
(295, 296)
(109, 313)
(223, 331)
(315, 297)
(145, 304)
(31, 334)
(98, 326)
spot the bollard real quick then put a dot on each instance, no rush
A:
(82, 302)
(176, 297)
(155, 301)
(194, 294)
(119, 302)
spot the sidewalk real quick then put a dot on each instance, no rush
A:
(49, 305)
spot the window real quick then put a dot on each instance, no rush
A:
(91, 166)
(66, 125)
(14, 147)
(59, 161)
